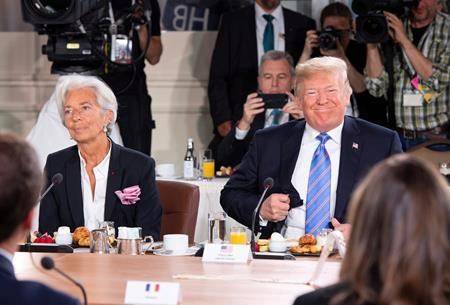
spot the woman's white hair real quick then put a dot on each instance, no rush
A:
(105, 96)
(325, 64)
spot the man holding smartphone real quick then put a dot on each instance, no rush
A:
(272, 105)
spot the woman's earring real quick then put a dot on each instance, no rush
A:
(105, 128)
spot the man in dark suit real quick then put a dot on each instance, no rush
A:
(63, 206)
(276, 76)
(20, 179)
(315, 163)
(244, 36)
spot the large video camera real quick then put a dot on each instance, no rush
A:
(86, 35)
(371, 25)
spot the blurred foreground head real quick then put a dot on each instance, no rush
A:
(20, 181)
(399, 248)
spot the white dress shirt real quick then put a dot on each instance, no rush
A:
(278, 29)
(241, 134)
(94, 208)
(6, 254)
(295, 222)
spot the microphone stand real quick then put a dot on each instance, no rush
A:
(254, 216)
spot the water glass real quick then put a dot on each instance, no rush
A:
(216, 227)
(323, 236)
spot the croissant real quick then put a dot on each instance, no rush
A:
(307, 239)
(80, 233)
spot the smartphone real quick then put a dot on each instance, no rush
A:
(274, 100)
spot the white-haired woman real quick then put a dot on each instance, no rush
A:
(103, 181)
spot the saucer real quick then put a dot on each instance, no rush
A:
(189, 251)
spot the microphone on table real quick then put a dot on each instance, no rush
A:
(268, 183)
(56, 179)
(49, 264)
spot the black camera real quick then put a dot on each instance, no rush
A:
(371, 25)
(84, 35)
(327, 38)
(274, 100)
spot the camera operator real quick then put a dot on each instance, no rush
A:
(134, 112)
(421, 73)
(335, 40)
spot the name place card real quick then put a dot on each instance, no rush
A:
(226, 253)
(156, 293)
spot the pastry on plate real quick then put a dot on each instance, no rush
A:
(307, 239)
(80, 233)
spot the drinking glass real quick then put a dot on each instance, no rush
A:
(109, 227)
(216, 232)
(207, 164)
(238, 236)
(323, 236)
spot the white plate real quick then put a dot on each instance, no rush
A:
(189, 251)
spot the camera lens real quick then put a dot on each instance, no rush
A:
(327, 41)
(372, 28)
(52, 8)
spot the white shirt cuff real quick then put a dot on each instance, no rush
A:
(241, 134)
(262, 222)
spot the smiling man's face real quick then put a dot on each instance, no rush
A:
(323, 99)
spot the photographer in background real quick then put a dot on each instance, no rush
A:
(134, 112)
(336, 22)
(421, 73)
(276, 76)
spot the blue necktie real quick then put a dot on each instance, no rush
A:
(318, 196)
(268, 39)
(276, 115)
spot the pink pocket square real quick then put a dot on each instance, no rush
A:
(129, 195)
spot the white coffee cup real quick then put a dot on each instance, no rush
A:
(278, 246)
(165, 170)
(63, 236)
(178, 243)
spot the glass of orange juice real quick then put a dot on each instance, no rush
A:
(208, 164)
(238, 236)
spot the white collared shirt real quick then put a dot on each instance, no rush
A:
(241, 134)
(6, 254)
(295, 221)
(278, 29)
(94, 208)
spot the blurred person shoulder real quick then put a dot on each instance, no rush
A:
(30, 292)
(323, 296)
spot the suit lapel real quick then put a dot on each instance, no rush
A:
(114, 181)
(6, 267)
(351, 147)
(289, 155)
(73, 187)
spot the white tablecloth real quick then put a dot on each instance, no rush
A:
(209, 202)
